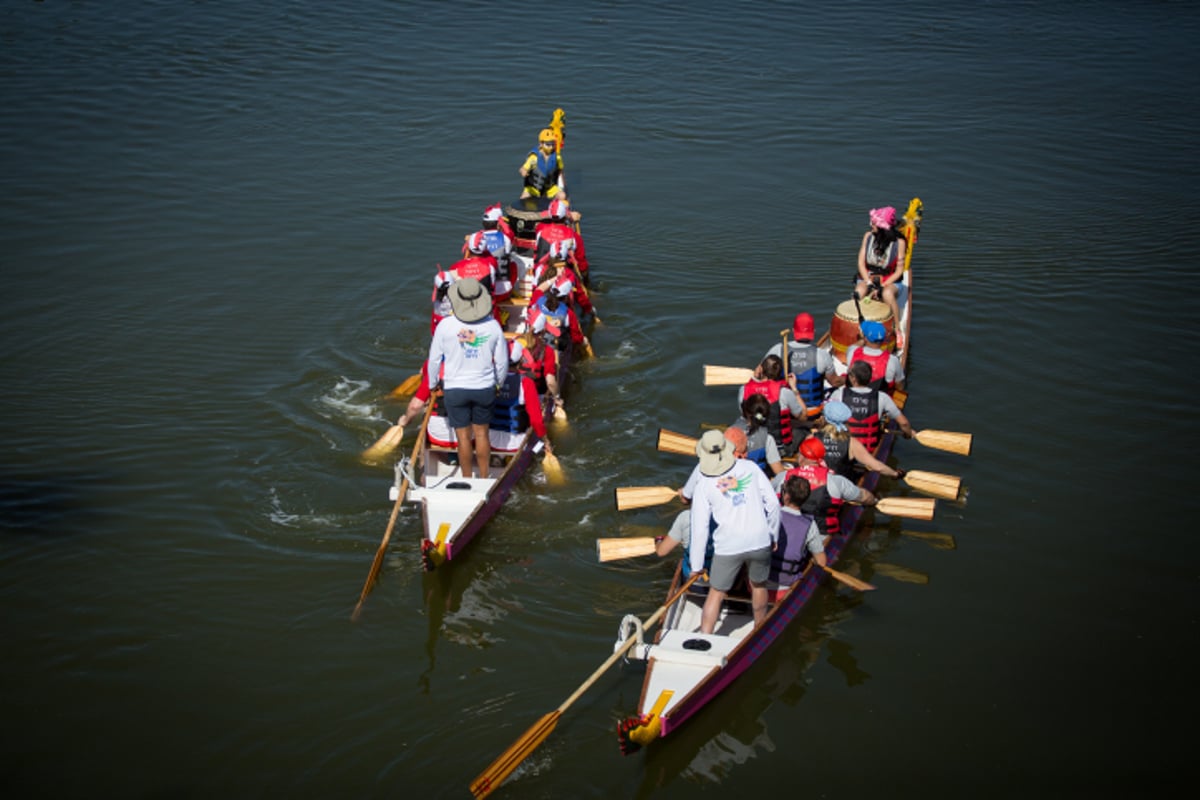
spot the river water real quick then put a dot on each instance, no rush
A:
(218, 229)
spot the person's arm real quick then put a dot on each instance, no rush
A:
(895, 372)
(701, 515)
(812, 541)
(795, 405)
(664, 545)
(888, 406)
(774, 460)
(859, 453)
(499, 352)
(533, 407)
(527, 165)
(770, 503)
(898, 273)
(863, 274)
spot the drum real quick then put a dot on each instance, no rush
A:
(843, 332)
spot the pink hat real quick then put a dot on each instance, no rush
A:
(884, 217)
(802, 326)
(493, 213)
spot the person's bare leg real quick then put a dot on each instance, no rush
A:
(758, 601)
(483, 450)
(712, 610)
(465, 455)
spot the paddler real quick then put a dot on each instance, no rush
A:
(828, 490)
(868, 407)
(799, 534)
(887, 372)
(786, 408)
(810, 365)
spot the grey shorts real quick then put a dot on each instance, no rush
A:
(725, 569)
(467, 407)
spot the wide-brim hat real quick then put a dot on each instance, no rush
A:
(470, 300)
(715, 453)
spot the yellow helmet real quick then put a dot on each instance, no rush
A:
(547, 135)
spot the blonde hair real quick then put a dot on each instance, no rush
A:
(832, 432)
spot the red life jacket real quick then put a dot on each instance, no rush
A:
(878, 364)
(865, 423)
(482, 268)
(823, 506)
(779, 420)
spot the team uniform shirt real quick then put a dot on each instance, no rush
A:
(894, 373)
(886, 404)
(475, 355)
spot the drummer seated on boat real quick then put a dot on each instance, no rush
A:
(543, 168)
(887, 373)
(881, 261)
(786, 408)
(811, 366)
(799, 535)
(736, 495)
(868, 407)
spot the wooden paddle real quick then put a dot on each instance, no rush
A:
(909, 507)
(935, 483)
(495, 774)
(407, 388)
(784, 334)
(849, 580)
(726, 376)
(616, 548)
(671, 442)
(553, 469)
(384, 444)
(641, 496)
(377, 564)
(950, 441)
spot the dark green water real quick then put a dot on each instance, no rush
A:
(218, 229)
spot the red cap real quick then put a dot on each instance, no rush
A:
(802, 326)
(812, 449)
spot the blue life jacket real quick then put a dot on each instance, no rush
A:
(508, 412)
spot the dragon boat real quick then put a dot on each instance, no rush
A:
(686, 669)
(455, 509)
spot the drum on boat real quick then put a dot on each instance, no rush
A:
(843, 331)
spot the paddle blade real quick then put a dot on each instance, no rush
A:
(934, 483)
(408, 388)
(849, 580)
(671, 442)
(910, 507)
(949, 441)
(553, 470)
(384, 445)
(616, 549)
(726, 376)
(641, 496)
(490, 779)
(560, 414)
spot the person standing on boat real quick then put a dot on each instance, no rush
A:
(810, 365)
(470, 346)
(760, 444)
(868, 407)
(887, 373)
(843, 453)
(680, 531)
(543, 168)
(881, 261)
(799, 534)
(828, 490)
(736, 495)
(786, 409)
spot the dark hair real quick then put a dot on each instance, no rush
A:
(772, 367)
(882, 239)
(860, 371)
(552, 300)
(755, 410)
(796, 490)
(491, 224)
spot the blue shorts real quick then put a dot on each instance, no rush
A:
(467, 407)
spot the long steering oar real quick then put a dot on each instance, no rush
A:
(641, 496)
(950, 441)
(491, 778)
(377, 564)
